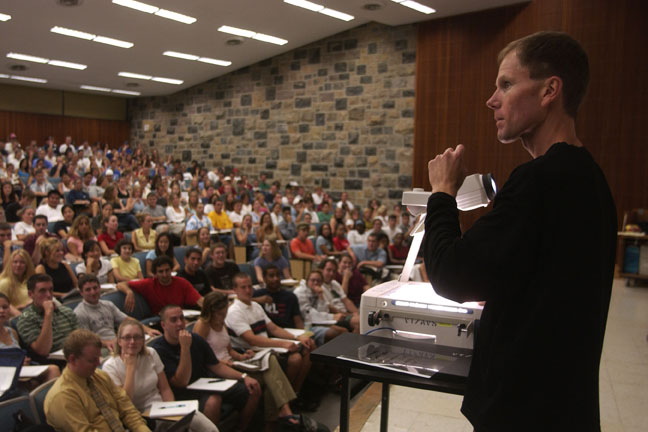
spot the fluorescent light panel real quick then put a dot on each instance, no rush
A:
(164, 13)
(102, 89)
(142, 7)
(42, 60)
(92, 37)
(4, 17)
(26, 57)
(127, 92)
(114, 42)
(167, 80)
(175, 16)
(416, 6)
(66, 64)
(73, 33)
(149, 77)
(134, 75)
(30, 79)
(196, 58)
(250, 34)
(321, 9)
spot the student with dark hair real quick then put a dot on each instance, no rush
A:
(94, 264)
(162, 289)
(221, 272)
(163, 247)
(124, 266)
(194, 273)
(43, 326)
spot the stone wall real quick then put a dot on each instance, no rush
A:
(336, 113)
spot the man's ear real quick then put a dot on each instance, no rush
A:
(551, 90)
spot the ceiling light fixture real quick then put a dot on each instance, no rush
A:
(196, 58)
(101, 89)
(250, 34)
(127, 92)
(164, 13)
(167, 80)
(26, 57)
(89, 36)
(4, 17)
(321, 9)
(42, 60)
(66, 64)
(30, 79)
(134, 75)
(150, 77)
(416, 6)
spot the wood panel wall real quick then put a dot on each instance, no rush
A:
(456, 70)
(39, 126)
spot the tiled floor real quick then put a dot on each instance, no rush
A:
(624, 379)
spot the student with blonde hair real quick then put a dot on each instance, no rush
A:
(13, 280)
(52, 263)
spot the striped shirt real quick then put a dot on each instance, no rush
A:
(30, 323)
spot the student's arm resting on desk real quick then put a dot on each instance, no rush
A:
(183, 371)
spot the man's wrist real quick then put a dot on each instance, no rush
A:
(243, 376)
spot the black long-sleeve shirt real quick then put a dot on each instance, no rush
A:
(543, 260)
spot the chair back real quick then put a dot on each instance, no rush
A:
(37, 400)
(11, 406)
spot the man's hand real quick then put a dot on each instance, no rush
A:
(252, 385)
(151, 331)
(447, 172)
(248, 354)
(48, 308)
(110, 344)
(184, 338)
(338, 316)
(264, 299)
(307, 342)
(129, 302)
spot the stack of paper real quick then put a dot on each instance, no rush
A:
(211, 384)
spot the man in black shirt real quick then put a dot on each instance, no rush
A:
(221, 272)
(280, 305)
(187, 357)
(542, 259)
(193, 273)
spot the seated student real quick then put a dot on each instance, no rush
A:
(125, 267)
(370, 255)
(144, 237)
(278, 391)
(26, 225)
(94, 264)
(351, 280)
(252, 327)
(80, 200)
(314, 305)
(221, 272)
(188, 357)
(52, 264)
(51, 207)
(301, 246)
(358, 236)
(9, 337)
(12, 209)
(397, 251)
(244, 236)
(100, 316)
(33, 241)
(80, 232)
(204, 244)
(324, 243)
(193, 273)
(163, 247)
(195, 222)
(271, 255)
(84, 398)
(43, 326)
(6, 244)
(175, 216)
(13, 281)
(286, 225)
(139, 371)
(280, 305)
(339, 302)
(162, 289)
(157, 212)
(109, 235)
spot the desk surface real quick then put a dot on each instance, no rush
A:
(453, 380)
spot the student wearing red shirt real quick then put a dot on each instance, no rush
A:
(162, 289)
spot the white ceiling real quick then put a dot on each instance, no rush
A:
(28, 32)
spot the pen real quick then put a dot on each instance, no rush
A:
(215, 380)
(173, 406)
